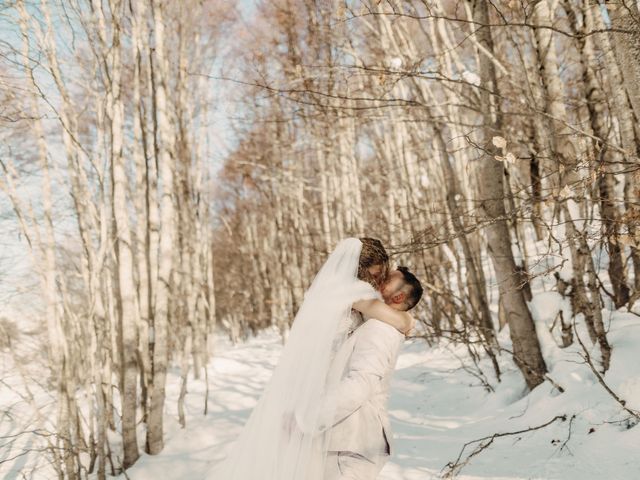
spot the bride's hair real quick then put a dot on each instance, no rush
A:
(372, 254)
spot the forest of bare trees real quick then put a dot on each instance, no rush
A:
(105, 170)
(456, 131)
(492, 145)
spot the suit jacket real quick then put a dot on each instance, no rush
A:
(360, 423)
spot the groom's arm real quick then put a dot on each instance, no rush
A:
(373, 352)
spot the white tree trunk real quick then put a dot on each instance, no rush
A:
(155, 432)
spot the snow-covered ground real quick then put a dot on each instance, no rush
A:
(437, 405)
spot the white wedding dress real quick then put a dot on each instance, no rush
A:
(283, 438)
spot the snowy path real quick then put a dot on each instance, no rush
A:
(435, 407)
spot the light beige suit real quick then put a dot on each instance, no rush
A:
(360, 436)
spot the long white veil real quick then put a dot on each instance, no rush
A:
(280, 441)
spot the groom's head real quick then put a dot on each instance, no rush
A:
(402, 290)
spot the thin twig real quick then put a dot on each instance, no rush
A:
(589, 361)
(455, 467)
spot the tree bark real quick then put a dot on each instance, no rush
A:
(128, 309)
(609, 205)
(160, 353)
(625, 19)
(526, 347)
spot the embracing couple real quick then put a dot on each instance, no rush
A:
(323, 414)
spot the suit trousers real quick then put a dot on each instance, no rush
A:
(352, 466)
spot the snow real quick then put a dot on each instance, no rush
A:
(395, 63)
(437, 405)
(472, 78)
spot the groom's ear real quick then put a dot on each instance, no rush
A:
(399, 297)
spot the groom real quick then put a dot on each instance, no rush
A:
(360, 437)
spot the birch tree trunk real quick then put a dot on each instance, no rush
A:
(165, 158)
(625, 19)
(608, 158)
(128, 310)
(611, 43)
(526, 347)
(141, 147)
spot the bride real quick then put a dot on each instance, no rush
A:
(283, 438)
